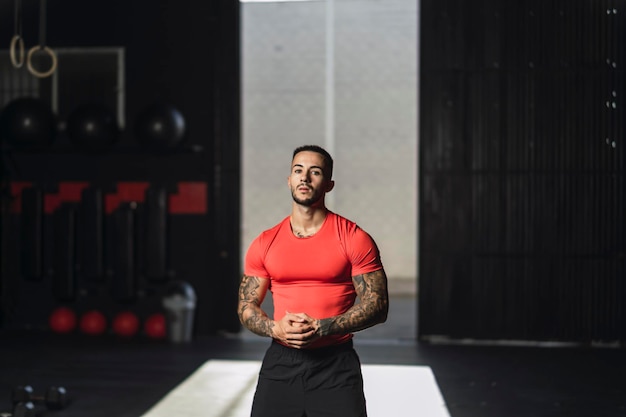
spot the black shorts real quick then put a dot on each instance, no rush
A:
(310, 383)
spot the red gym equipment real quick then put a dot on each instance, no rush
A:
(93, 322)
(62, 320)
(126, 324)
(154, 327)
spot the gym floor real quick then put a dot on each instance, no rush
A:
(108, 377)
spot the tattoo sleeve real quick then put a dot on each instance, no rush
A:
(252, 291)
(372, 308)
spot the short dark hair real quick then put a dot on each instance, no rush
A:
(328, 160)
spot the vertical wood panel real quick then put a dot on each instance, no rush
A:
(521, 171)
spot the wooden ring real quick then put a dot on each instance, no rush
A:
(29, 61)
(16, 42)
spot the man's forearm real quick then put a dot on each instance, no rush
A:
(250, 313)
(359, 317)
(255, 320)
(371, 310)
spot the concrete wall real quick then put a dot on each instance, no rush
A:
(364, 112)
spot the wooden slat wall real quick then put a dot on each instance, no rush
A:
(522, 232)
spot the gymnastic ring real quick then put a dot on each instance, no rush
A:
(29, 61)
(15, 42)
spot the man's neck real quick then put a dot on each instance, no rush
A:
(306, 221)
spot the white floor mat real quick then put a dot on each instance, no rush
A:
(224, 388)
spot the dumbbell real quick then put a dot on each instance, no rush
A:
(55, 398)
(26, 409)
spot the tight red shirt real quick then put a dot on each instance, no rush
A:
(313, 275)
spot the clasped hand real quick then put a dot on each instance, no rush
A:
(297, 330)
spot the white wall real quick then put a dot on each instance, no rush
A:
(373, 91)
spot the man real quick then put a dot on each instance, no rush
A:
(315, 263)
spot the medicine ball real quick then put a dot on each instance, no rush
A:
(28, 121)
(126, 324)
(160, 126)
(155, 326)
(62, 320)
(92, 126)
(93, 322)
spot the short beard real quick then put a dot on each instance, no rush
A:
(307, 202)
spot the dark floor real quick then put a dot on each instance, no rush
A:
(107, 377)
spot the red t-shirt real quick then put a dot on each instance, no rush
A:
(313, 275)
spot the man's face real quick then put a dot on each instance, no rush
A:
(307, 181)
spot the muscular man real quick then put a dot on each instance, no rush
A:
(316, 263)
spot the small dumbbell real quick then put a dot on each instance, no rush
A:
(26, 409)
(55, 398)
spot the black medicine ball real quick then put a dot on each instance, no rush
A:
(92, 127)
(160, 126)
(28, 121)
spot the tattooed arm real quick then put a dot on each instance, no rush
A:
(291, 329)
(252, 292)
(372, 308)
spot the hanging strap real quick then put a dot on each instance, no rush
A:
(16, 50)
(42, 47)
